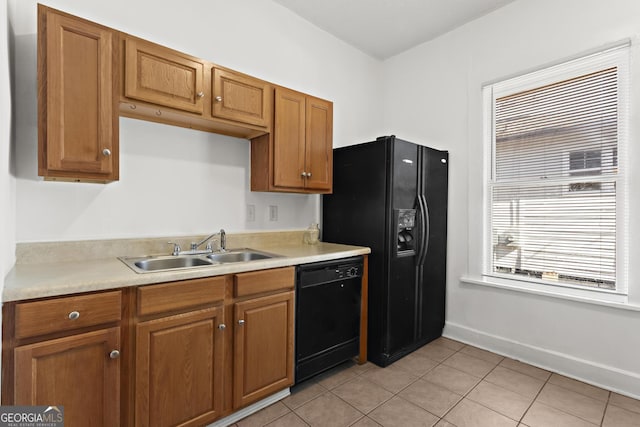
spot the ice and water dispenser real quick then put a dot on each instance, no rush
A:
(406, 223)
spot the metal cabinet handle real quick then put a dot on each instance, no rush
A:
(74, 315)
(219, 98)
(241, 322)
(200, 94)
(114, 354)
(222, 326)
(106, 152)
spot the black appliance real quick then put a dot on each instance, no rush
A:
(391, 195)
(327, 314)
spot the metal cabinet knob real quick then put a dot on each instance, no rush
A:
(114, 354)
(200, 94)
(241, 322)
(308, 174)
(219, 98)
(106, 152)
(222, 326)
(305, 174)
(74, 315)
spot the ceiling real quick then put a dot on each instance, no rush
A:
(384, 28)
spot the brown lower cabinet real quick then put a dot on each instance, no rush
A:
(181, 353)
(75, 372)
(179, 369)
(65, 351)
(263, 347)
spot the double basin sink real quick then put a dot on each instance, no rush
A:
(152, 264)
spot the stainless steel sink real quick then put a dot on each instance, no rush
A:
(152, 264)
(171, 262)
(241, 256)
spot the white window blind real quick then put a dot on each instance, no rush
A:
(555, 193)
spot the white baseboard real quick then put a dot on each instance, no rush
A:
(604, 376)
(245, 412)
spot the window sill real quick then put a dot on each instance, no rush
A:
(504, 284)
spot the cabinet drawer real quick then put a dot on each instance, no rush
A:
(256, 282)
(66, 313)
(173, 296)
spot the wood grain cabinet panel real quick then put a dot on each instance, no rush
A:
(77, 100)
(298, 156)
(179, 369)
(162, 76)
(241, 98)
(289, 134)
(263, 347)
(255, 282)
(180, 295)
(76, 372)
(319, 147)
(53, 315)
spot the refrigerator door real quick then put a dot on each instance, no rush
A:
(401, 289)
(433, 265)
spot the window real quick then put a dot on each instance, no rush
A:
(555, 191)
(582, 164)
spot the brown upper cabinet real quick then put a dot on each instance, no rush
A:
(77, 98)
(298, 156)
(241, 98)
(162, 76)
(89, 75)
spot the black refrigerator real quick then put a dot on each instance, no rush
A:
(391, 195)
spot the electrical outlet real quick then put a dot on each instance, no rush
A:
(273, 213)
(251, 213)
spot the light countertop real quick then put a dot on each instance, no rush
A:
(61, 277)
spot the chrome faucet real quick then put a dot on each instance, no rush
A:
(194, 246)
(222, 241)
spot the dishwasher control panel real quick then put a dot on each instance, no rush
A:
(348, 271)
(327, 271)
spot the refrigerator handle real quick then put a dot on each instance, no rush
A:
(423, 226)
(424, 210)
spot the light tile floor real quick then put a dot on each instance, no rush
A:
(445, 384)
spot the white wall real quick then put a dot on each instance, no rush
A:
(433, 96)
(175, 181)
(7, 180)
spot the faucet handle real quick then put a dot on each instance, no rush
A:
(176, 248)
(223, 240)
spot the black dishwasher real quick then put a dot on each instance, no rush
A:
(327, 314)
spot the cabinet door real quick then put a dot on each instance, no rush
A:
(76, 372)
(319, 149)
(162, 76)
(179, 363)
(78, 114)
(289, 139)
(263, 347)
(241, 98)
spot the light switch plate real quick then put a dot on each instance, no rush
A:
(251, 213)
(273, 213)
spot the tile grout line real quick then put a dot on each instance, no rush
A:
(606, 407)
(535, 398)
